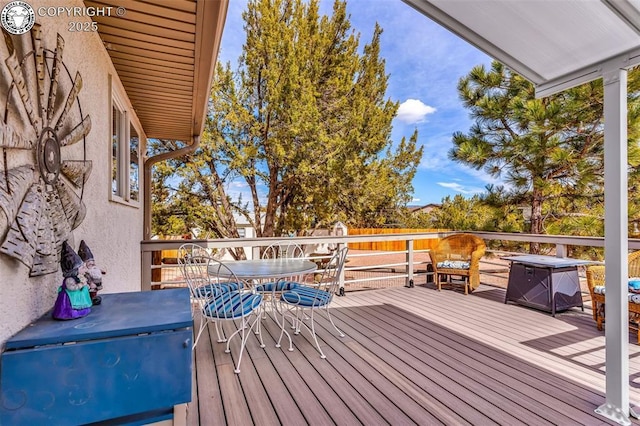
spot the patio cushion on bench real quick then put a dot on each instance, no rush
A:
(453, 264)
(281, 286)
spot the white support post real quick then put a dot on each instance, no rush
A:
(616, 250)
(409, 259)
(561, 250)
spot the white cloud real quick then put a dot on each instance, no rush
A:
(460, 188)
(414, 111)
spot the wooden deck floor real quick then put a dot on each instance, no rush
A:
(415, 356)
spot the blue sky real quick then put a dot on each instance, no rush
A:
(424, 62)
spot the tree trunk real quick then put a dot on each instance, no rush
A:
(536, 220)
(272, 205)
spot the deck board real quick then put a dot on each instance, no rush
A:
(353, 384)
(193, 415)
(481, 392)
(468, 318)
(532, 371)
(297, 390)
(483, 378)
(414, 356)
(254, 388)
(209, 402)
(426, 391)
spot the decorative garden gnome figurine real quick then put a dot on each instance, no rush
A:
(73, 295)
(94, 273)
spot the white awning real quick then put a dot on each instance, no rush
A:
(553, 43)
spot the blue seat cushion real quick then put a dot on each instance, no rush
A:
(231, 305)
(279, 286)
(306, 297)
(209, 291)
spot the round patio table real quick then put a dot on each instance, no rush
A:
(271, 269)
(261, 269)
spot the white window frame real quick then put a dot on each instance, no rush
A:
(124, 151)
(128, 164)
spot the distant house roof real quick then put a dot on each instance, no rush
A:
(165, 54)
(424, 209)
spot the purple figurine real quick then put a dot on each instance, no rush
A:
(73, 295)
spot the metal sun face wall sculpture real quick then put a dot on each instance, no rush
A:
(43, 141)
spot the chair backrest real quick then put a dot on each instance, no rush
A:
(194, 269)
(229, 302)
(283, 250)
(329, 278)
(634, 264)
(189, 250)
(459, 247)
(596, 273)
(595, 277)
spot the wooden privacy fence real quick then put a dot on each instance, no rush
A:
(392, 245)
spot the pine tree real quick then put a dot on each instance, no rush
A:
(545, 149)
(303, 125)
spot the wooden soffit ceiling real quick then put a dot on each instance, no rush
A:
(165, 53)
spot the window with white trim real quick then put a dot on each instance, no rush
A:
(125, 156)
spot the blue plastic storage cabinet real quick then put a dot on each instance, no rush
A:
(128, 362)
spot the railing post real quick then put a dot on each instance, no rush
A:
(561, 250)
(146, 270)
(341, 277)
(409, 258)
(156, 260)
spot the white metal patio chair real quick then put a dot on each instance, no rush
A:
(281, 250)
(229, 302)
(192, 250)
(303, 301)
(272, 290)
(199, 284)
(186, 252)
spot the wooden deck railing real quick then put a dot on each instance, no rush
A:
(361, 273)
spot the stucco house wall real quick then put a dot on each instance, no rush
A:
(113, 230)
